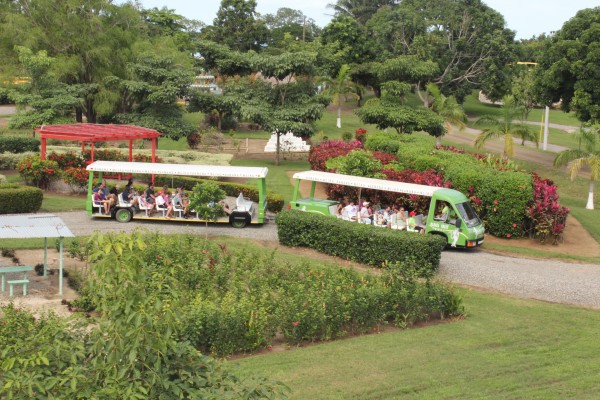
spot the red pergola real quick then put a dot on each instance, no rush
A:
(92, 133)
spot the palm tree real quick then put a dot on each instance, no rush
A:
(587, 154)
(339, 88)
(447, 108)
(360, 10)
(505, 127)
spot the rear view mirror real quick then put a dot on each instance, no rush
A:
(458, 223)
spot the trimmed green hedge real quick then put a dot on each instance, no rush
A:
(382, 141)
(20, 199)
(18, 144)
(274, 200)
(359, 242)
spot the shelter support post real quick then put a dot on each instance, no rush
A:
(60, 273)
(43, 155)
(92, 157)
(312, 189)
(45, 256)
(130, 150)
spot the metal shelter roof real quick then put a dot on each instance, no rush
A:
(95, 132)
(367, 183)
(178, 169)
(26, 226)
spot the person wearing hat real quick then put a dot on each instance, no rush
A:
(412, 223)
(365, 213)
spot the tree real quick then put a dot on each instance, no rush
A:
(338, 88)
(348, 38)
(205, 199)
(465, 38)
(148, 95)
(237, 27)
(505, 127)
(223, 61)
(399, 75)
(447, 108)
(523, 90)
(588, 154)
(225, 105)
(570, 66)
(290, 102)
(361, 10)
(164, 22)
(43, 99)
(287, 21)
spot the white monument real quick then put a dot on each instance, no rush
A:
(287, 143)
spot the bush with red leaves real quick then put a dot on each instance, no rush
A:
(546, 217)
(318, 155)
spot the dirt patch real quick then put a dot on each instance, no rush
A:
(576, 241)
(42, 292)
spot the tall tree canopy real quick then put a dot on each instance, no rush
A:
(237, 26)
(571, 65)
(466, 38)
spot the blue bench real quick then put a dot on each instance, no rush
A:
(15, 269)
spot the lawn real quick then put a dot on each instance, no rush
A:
(277, 180)
(56, 203)
(506, 348)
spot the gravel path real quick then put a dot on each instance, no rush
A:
(547, 280)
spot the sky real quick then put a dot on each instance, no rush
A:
(526, 17)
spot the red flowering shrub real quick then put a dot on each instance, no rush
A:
(319, 154)
(360, 135)
(545, 216)
(76, 177)
(67, 160)
(38, 172)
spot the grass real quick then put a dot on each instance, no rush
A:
(505, 349)
(476, 109)
(277, 180)
(56, 203)
(543, 254)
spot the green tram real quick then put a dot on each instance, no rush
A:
(243, 211)
(460, 225)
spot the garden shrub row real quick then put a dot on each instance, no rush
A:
(359, 242)
(18, 144)
(10, 160)
(232, 301)
(274, 201)
(19, 199)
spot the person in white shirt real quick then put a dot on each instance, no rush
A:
(351, 210)
(365, 214)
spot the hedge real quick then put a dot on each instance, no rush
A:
(359, 242)
(20, 199)
(18, 144)
(274, 200)
(10, 160)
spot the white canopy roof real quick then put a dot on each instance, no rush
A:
(178, 169)
(26, 226)
(367, 183)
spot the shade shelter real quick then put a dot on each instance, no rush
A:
(29, 226)
(94, 133)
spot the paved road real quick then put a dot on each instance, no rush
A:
(553, 281)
